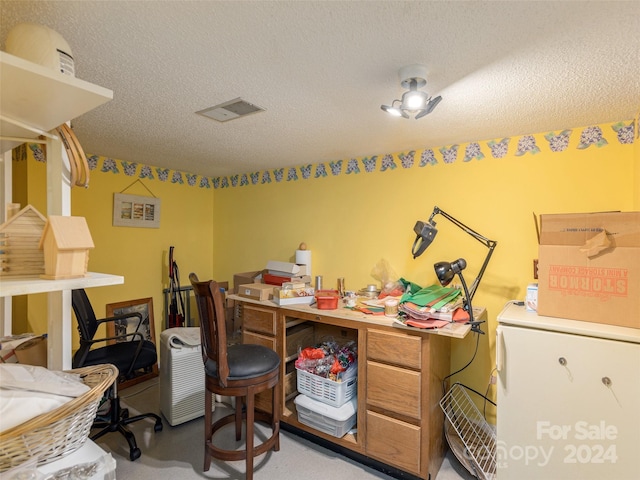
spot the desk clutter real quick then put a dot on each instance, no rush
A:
(410, 304)
(327, 376)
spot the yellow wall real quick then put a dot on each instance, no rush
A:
(352, 221)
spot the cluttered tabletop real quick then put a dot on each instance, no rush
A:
(434, 309)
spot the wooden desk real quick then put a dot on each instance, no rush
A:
(400, 374)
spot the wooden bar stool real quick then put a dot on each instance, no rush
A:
(239, 371)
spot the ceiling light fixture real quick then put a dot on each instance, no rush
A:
(414, 102)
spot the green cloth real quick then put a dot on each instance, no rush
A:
(424, 296)
(409, 286)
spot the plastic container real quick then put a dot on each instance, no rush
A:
(531, 301)
(391, 307)
(335, 421)
(327, 299)
(326, 390)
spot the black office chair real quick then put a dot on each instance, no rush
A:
(130, 354)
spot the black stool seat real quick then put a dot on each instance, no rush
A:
(245, 361)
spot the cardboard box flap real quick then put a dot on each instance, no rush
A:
(591, 230)
(596, 244)
(246, 277)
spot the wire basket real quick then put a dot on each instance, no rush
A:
(61, 431)
(470, 437)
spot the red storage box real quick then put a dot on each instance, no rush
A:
(327, 299)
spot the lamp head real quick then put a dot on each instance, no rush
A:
(431, 104)
(395, 109)
(425, 233)
(392, 110)
(445, 271)
(414, 99)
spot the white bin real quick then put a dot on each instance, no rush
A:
(336, 421)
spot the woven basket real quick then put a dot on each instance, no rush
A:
(57, 433)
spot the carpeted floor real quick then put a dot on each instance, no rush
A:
(177, 452)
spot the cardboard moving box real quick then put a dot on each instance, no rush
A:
(589, 267)
(257, 291)
(244, 278)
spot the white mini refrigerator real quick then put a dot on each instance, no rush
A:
(181, 375)
(568, 399)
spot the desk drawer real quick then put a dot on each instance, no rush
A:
(396, 348)
(394, 389)
(393, 441)
(258, 319)
(259, 339)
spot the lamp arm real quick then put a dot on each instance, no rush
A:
(475, 326)
(467, 298)
(490, 244)
(476, 282)
(481, 238)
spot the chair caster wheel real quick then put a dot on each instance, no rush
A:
(134, 454)
(157, 427)
(124, 413)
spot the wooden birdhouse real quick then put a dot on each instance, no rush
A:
(20, 235)
(66, 242)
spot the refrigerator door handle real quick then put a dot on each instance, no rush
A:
(499, 348)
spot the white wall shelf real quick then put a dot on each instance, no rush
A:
(35, 99)
(12, 286)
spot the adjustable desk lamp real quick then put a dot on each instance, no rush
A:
(446, 271)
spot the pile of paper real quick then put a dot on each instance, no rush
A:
(432, 307)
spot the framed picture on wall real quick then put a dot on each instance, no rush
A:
(135, 211)
(143, 306)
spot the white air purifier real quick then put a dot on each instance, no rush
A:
(181, 375)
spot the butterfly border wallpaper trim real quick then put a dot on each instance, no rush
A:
(590, 137)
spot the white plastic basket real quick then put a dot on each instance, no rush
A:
(327, 391)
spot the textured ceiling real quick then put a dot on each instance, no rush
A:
(321, 70)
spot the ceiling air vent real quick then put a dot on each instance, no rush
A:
(226, 111)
